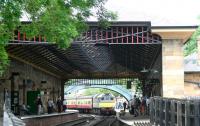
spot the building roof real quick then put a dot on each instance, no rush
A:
(191, 63)
(97, 53)
(174, 32)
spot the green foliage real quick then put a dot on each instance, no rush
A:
(191, 45)
(3, 59)
(123, 81)
(138, 85)
(93, 91)
(60, 21)
(9, 20)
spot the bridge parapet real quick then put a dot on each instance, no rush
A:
(118, 88)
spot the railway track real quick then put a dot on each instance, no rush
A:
(109, 121)
(95, 121)
(79, 122)
(105, 121)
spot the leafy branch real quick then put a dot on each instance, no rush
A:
(60, 21)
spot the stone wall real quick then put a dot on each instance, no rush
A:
(192, 89)
(29, 79)
(172, 69)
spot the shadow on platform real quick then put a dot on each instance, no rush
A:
(131, 120)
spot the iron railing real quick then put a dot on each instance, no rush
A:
(175, 112)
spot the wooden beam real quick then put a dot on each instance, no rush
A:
(33, 65)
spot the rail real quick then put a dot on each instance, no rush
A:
(171, 112)
(77, 122)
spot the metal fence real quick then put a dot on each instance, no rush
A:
(9, 119)
(175, 112)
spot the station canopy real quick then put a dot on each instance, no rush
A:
(122, 50)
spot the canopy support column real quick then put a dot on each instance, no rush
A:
(172, 68)
(62, 89)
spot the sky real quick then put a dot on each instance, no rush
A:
(159, 12)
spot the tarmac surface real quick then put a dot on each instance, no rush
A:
(142, 120)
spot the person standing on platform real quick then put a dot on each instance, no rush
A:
(59, 104)
(133, 106)
(50, 106)
(143, 106)
(64, 105)
(39, 105)
(147, 104)
(124, 105)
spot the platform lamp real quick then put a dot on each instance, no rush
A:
(155, 71)
(43, 80)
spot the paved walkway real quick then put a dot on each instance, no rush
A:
(1, 121)
(134, 121)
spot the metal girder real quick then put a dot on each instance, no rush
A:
(130, 46)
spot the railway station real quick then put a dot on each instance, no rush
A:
(97, 59)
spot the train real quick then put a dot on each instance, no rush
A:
(97, 104)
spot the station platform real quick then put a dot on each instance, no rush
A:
(50, 119)
(130, 120)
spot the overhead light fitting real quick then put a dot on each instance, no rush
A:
(43, 82)
(144, 70)
(155, 71)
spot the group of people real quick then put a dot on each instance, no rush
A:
(139, 106)
(60, 106)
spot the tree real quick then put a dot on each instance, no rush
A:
(93, 91)
(138, 86)
(60, 21)
(191, 45)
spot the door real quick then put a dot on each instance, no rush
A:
(31, 100)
